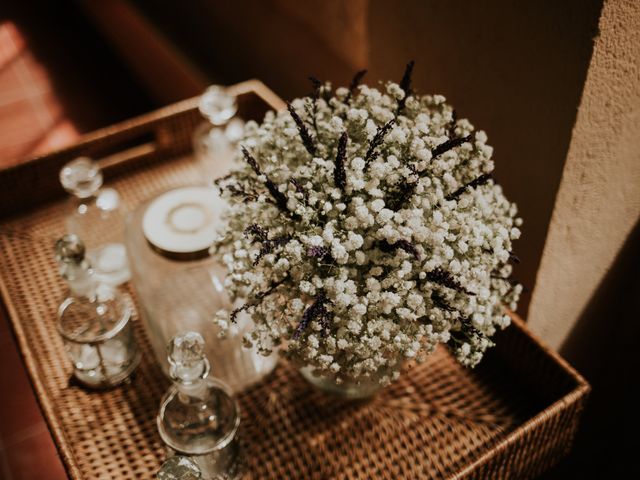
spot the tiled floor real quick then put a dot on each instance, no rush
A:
(53, 87)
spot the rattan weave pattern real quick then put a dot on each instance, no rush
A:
(512, 417)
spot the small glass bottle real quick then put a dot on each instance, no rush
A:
(199, 417)
(94, 321)
(96, 217)
(179, 467)
(215, 139)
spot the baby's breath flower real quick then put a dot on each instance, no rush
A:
(369, 233)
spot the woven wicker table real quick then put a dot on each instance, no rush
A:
(513, 417)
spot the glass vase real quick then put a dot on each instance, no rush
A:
(354, 389)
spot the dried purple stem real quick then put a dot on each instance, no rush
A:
(441, 303)
(299, 188)
(317, 84)
(355, 81)
(322, 253)
(403, 245)
(476, 182)
(307, 141)
(376, 141)
(400, 197)
(339, 173)
(317, 310)
(451, 127)
(257, 299)
(444, 278)
(278, 196)
(405, 84)
(266, 245)
(449, 145)
(315, 95)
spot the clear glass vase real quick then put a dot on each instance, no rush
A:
(356, 389)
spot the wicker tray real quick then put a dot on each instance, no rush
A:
(513, 417)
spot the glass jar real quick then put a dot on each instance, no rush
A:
(180, 286)
(352, 389)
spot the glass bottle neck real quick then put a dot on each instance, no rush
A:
(191, 382)
(80, 279)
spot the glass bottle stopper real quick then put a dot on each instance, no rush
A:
(81, 177)
(70, 249)
(179, 467)
(217, 105)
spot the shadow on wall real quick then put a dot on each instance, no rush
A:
(603, 346)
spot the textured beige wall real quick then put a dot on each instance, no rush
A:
(598, 201)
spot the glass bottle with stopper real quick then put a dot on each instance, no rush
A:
(215, 139)
(96, 217)
(199, 417)
(94, 321)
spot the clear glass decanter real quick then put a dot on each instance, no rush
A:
(96, 217)
(216, 138)
(94, 321)
(199, 417)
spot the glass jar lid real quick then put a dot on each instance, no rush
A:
(181, 224)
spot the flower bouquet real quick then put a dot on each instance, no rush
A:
(365, 228)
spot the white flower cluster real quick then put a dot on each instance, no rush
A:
(364, 228)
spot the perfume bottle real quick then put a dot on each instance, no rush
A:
(94, 321)
(179, 467)
(96, 217)
(199, 417)
(214, 141)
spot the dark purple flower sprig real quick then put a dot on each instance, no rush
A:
(257, 299)
(451, 127)
(439, 301)
(339, 172)
(312, 104)
(299, 188)
(376, 141)
(404, 245)
(355, 81)
(267, 245)
(445, 279)
(279, 197)
(316, 311)
(476, 182)
(465, 333)
(307, 140)
(405, 85)
(449, 145)
(321, 253)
